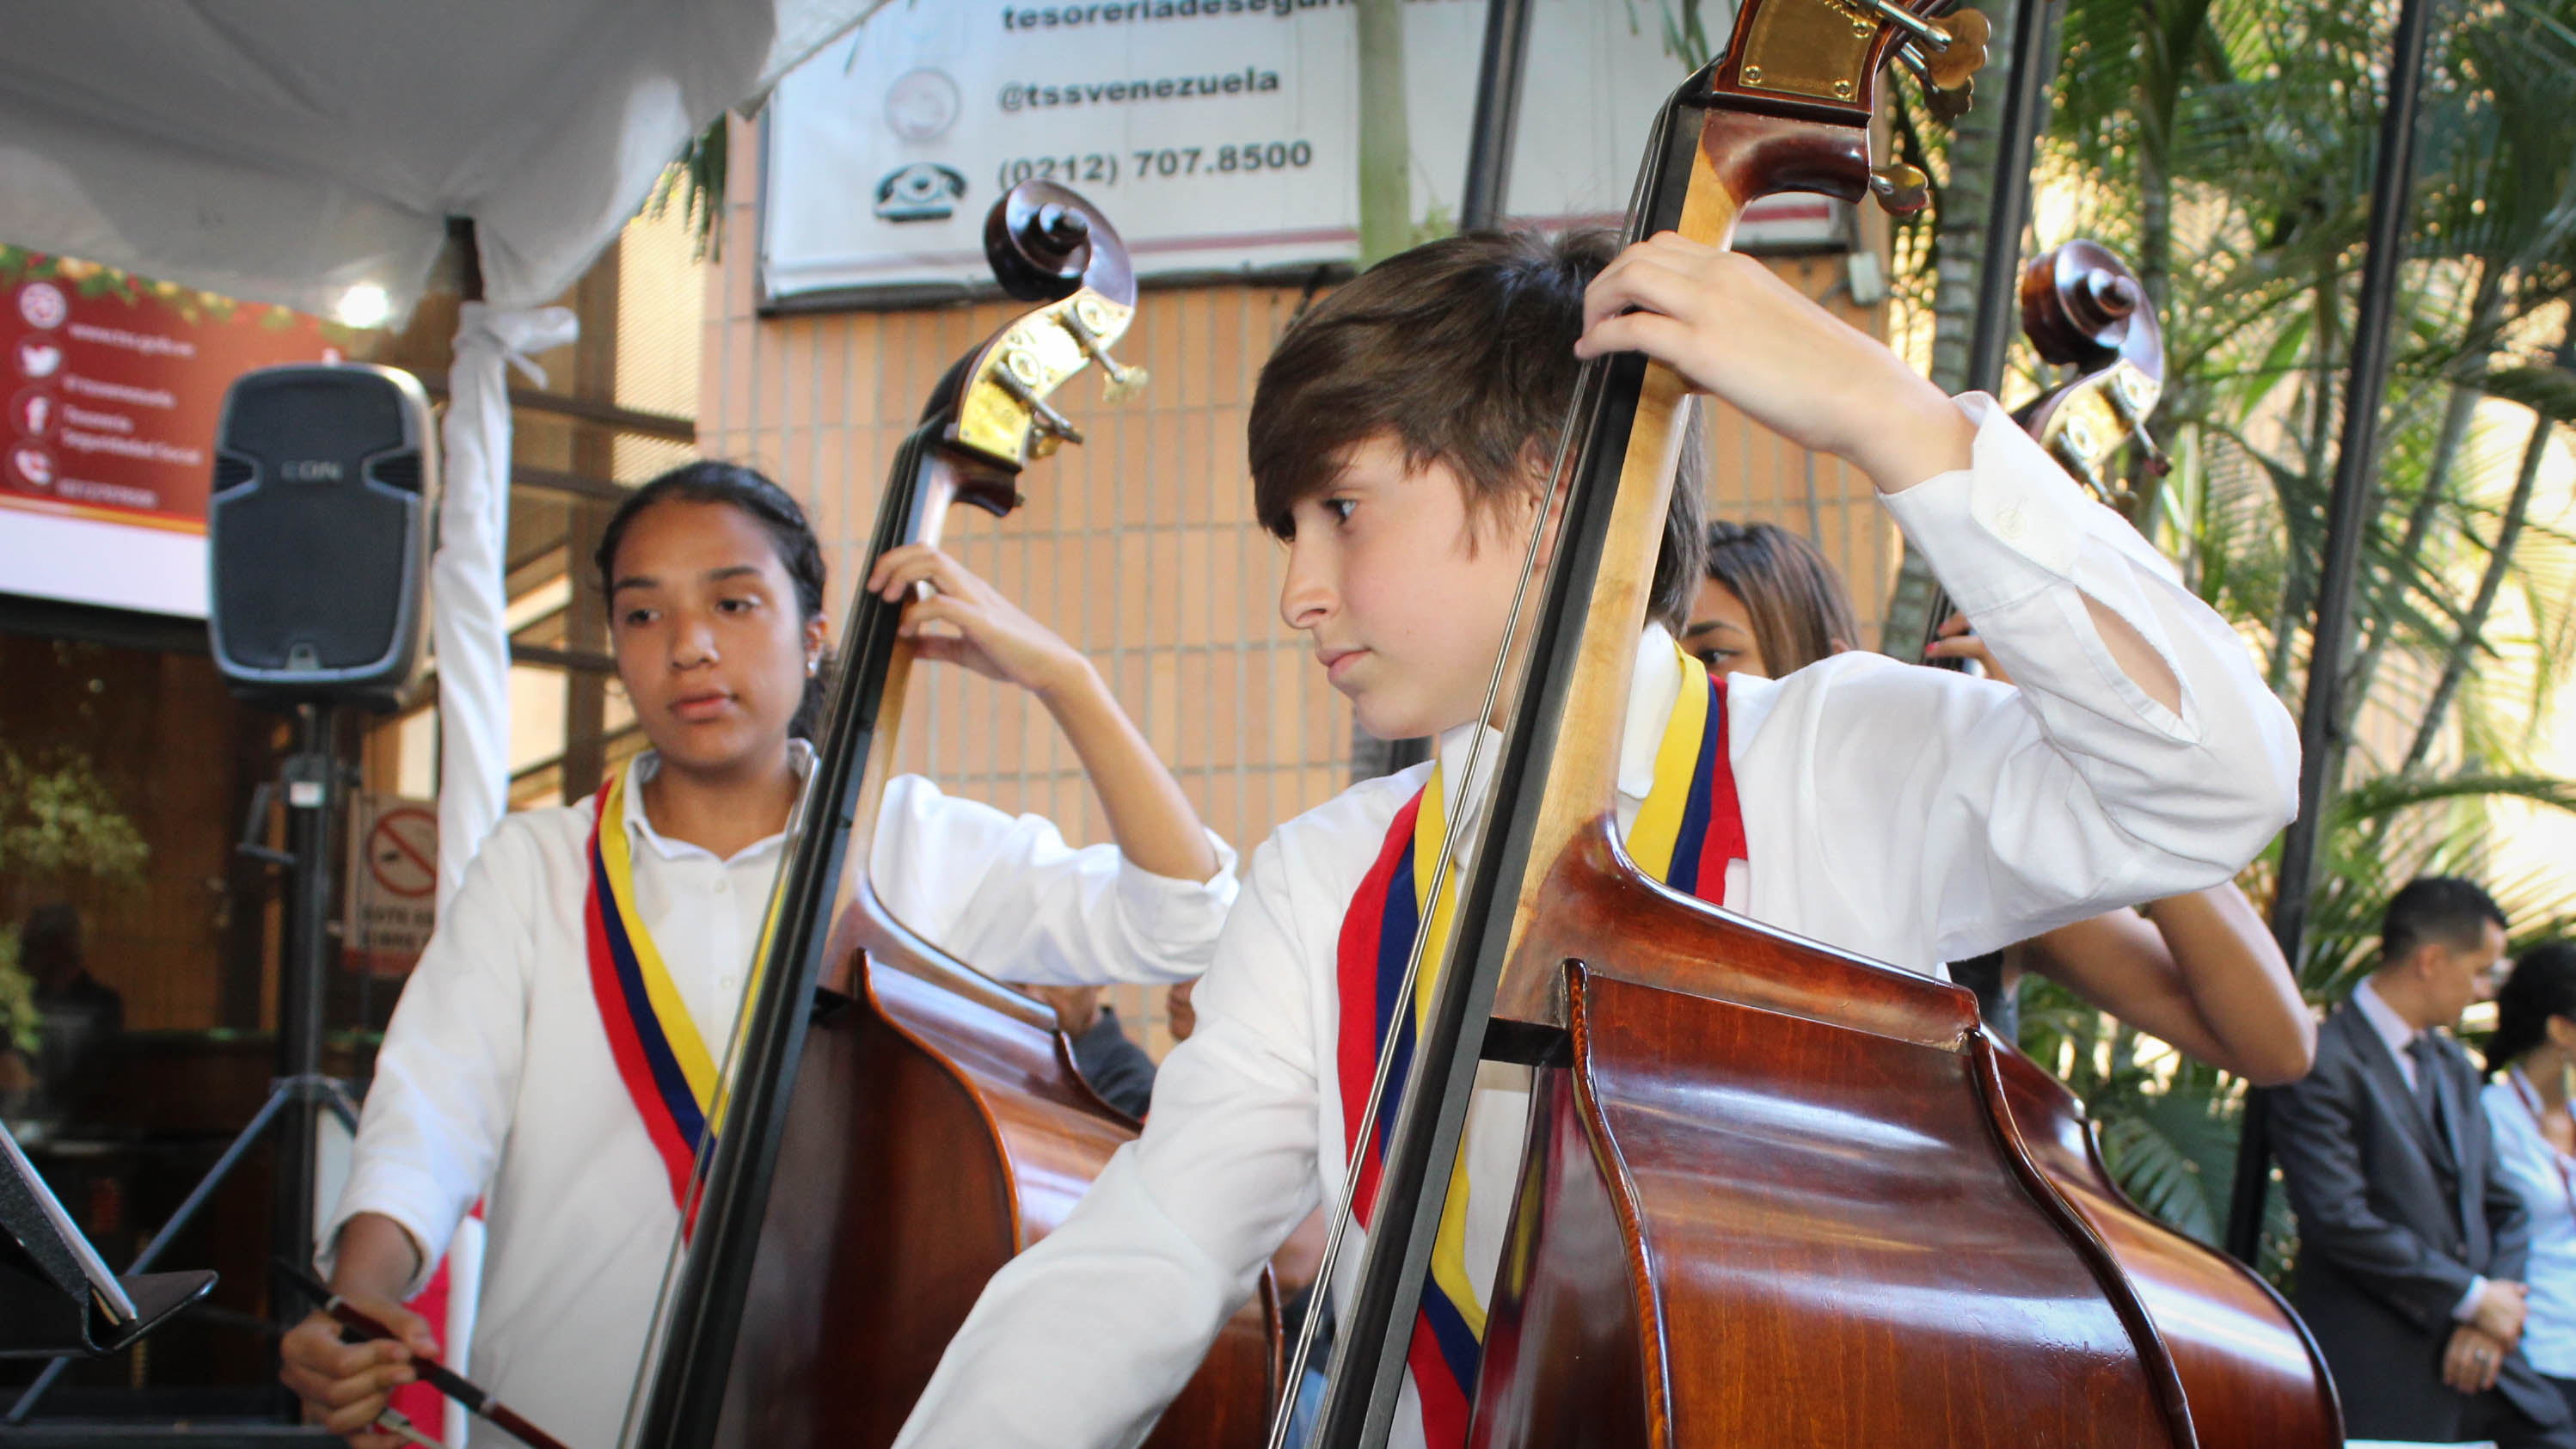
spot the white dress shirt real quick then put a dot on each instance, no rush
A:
(2542, 1175)
(1910, 814)
(2395, 1032)
(495, 1079)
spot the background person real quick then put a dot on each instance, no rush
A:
(1112, 1065)
(2534, 1051)
(79, 1011)
(2200, 971)
(2412, 1240)
(1770, 605)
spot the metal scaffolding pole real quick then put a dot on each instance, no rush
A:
(2347, 514)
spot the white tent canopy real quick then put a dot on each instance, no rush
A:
(289, 150)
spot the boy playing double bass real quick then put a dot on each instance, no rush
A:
(1399, 445)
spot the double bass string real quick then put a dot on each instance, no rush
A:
(1584, 405)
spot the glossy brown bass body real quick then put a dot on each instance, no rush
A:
(1773, 1194)
(899, 1125)
(2247, 1366)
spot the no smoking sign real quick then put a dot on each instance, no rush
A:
(392, 884)
(402, 851)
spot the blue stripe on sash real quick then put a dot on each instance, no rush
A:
(1683, 874)
(667, 1076)
(1394, 953)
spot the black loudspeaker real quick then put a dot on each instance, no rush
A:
(319, 532)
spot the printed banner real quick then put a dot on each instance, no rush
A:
(115, 385)
(1220, 135)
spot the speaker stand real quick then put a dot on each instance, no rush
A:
(300, 1093)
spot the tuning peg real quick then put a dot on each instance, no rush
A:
(1053, 427)
(1951, 48)
(2073, 451)
(1900, 188)
(1086, 322)
(2133, 396)
(1954, 63)
(1946, 105)
(1118, 384)
(2158, 461)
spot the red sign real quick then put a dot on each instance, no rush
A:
(115, 385)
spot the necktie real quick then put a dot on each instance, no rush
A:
(2430, 1076)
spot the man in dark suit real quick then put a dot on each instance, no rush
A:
(2411, 1242)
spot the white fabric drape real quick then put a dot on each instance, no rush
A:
(467, 601)
(288, 150)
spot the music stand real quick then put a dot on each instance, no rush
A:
(56, 1296)
(301, 1091)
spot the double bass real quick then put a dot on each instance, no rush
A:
(1772, 1193)
(897, 1124)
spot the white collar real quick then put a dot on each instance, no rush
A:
(800, 756)
(2383, 1018)
(1654, 686)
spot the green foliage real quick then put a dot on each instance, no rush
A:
(21, 1025)
(1684, 29)
(58, 818)
(2226, 147)
(696, 180)
(58, 821)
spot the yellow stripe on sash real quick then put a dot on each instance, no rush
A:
(1659, 820)
(616, 854)
(1438, 910)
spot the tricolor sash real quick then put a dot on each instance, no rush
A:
(1685, 833)
(659, 1053)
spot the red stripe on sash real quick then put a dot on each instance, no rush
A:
(1725, 840)
(1445, 1401)
(1362, 926)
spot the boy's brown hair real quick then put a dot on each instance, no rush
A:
(1800, 610)
(1462, 350)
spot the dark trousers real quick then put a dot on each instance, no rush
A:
(2492, 1416)
(2566, 1390)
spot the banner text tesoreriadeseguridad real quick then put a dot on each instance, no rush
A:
(1050, 17)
